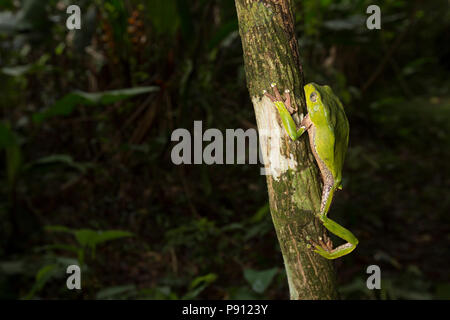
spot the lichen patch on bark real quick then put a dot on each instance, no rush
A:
(277, 160)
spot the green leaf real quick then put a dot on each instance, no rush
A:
(158, 293)
(164, 16)
(260, 214)
(260, 280)
(42, 277)
(209, 278)
(116, 292)
(108, 97)
(66, 105)
(104, 236)
(12, 267)
(7, 137)
(186, 19)
(32, 16)
(8, 22)
(198, 285)
(86, 237)
(192, 294)
(44, 272)
(61, 159)
(243, 293)
(349, 23)
(223, 33)
(91, 238)
(59, 229)
(17, 70)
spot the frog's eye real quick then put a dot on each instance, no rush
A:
(313, 97)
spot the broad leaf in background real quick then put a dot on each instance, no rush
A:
(83, 37)
(225, 31)
(32, 17)
(59, 159)
(164, 16)
(116, 292)
(66, 104)
(91, 238)
(17, 70)
(88, 238)
(97, 237)
(260, 280)
(199, 284)
(44, 274)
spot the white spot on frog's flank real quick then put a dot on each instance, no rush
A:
(271, 136)
(316, 107)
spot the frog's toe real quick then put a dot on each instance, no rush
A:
(276, 92)
(324, 253)
(271, 97)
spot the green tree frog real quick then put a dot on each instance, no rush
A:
(328, 128)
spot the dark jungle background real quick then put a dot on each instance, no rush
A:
(87, 178)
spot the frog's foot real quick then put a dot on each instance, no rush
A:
(287, 101)
(340, 251)
(312, 244)
(326, 243)
(323, 251)
(324, 246)
(278, 98)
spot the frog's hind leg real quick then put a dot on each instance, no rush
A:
(325, 249)
(327, 196)
(341, 232)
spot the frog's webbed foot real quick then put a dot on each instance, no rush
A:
(277, 97)
(324, 244)
(325, 247)
(338, 252)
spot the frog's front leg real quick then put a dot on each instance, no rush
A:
(285, 111)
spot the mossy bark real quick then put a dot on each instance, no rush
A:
(271, 55)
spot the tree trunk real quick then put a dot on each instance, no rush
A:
(293, 179)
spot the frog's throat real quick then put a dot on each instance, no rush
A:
(327, 176)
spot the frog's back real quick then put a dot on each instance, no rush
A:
(334, 134)
(341, 142)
